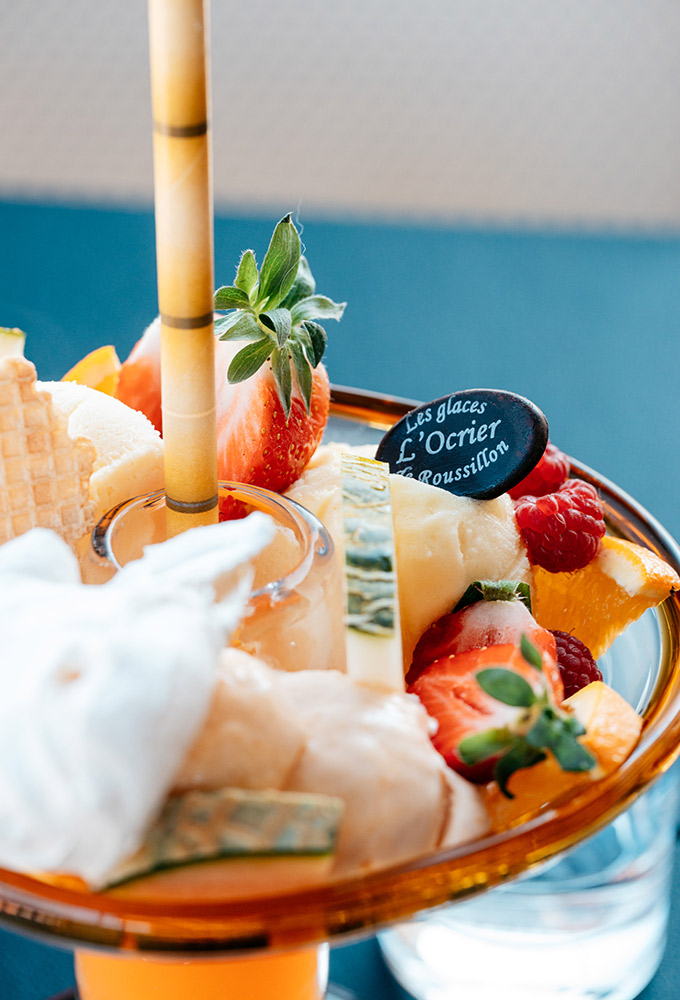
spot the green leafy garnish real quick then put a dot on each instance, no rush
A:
(276, 308)
(506, 686)
(530, 653)
(539, 728)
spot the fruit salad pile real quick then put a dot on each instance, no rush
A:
(502, 608)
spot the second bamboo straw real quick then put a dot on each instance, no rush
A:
(180, 93)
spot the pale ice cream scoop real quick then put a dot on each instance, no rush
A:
(103, 688)
(319, 731)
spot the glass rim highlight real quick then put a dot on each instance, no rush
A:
(311, 535)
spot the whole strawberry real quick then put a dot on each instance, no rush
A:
(546, 476)
(273, 403)
(575, 661)
(562, 530)
(272, 395)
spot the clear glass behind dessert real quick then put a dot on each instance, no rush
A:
(272, 945)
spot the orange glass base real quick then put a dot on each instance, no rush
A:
(295, 975)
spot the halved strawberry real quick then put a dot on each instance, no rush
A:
(273, 393)
(489, 613)
(487, 623)
(497, 712)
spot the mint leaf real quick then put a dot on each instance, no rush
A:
(474, 749)
(572, 755)
(243, 327)
(317, 307)
(506, 686)
(282, 375)
(280, 264)
(249, 360)
(229, 297)
(530, 653)
(303, 286)
(246, 274)
(495, 590)
(557, 731)
(318, 339)
(519, 756)
(278, 321)
(303, 372)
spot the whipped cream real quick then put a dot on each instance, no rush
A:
(104, 688)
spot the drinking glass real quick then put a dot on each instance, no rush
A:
(238, 948)
(591, 924)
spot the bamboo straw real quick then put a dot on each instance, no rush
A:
(180, 97)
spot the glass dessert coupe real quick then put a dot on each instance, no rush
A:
(274, 944)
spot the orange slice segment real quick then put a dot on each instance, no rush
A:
(612, 731)
(99, 370)
(598, 602)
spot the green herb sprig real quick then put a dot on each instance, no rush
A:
(276, 309)
(540, 727)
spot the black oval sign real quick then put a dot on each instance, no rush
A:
(475, 443)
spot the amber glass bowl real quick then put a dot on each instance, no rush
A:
(364, 903)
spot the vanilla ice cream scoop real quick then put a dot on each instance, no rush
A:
(103, 688)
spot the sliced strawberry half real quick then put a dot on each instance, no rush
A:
(497, 712)
(486, 623)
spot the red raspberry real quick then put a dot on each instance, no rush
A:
(547, 475)
(562, 530)
(576, 663)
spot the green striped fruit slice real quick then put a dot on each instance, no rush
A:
(232, 841)
(374, 655)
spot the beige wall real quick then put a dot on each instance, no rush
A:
(530, 111)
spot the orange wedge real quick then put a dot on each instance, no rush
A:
(99, 370)
(598, 602)
(612, 731)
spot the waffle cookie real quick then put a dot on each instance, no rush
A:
(44, 474)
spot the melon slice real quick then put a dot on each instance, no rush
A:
(232, 842)
(372, 607)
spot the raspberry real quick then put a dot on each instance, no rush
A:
(562, 530)
(576, 663)
(546, 476)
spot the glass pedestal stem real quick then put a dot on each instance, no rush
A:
(290, 975)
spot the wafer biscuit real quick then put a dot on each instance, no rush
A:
(44, 474)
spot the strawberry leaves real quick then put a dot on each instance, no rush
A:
(280, 264)
(495, 590)
(316, 336)
(246, 273)
(539, 728)
(276, 308)
(248, 361)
